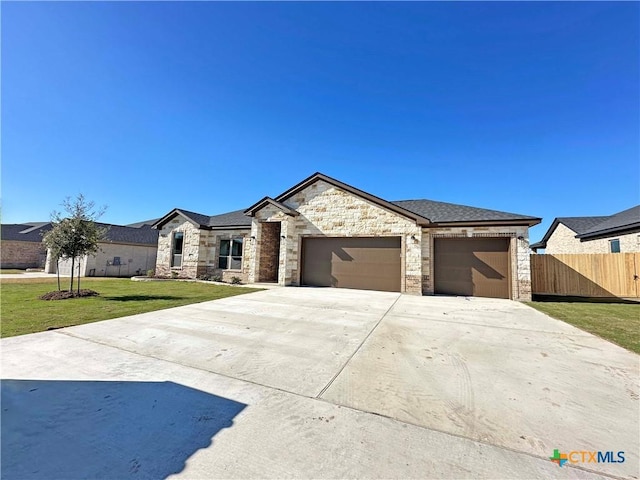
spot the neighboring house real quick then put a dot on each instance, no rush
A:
(124, 252)
(21, 245)
(616, 233)
(322, 232)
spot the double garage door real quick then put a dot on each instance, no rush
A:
(367, 263)
(472, 266)
(462, 266)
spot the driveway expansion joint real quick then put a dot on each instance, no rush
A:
(326, 387)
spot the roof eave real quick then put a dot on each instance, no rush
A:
(609, 232)
(251, 211)
(173, 213)
(530, 222)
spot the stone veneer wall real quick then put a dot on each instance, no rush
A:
(210, 248)
(17, 254)
(520, 263)
(199, 252)
(563, 241)
(326, 210)
(190, 248)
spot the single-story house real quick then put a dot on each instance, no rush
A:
(615, 233)
(125, 251)
(323, 232)
(21, 245)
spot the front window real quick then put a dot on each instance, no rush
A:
(230, 254)
(176, 250)
(614, 246)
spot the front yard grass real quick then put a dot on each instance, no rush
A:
(616, 322)
(10, 270)
(23, 312)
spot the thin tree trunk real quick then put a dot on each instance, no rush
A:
(73, 263)
(58, 271)
(79, 268)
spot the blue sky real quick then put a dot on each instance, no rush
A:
(531, 108)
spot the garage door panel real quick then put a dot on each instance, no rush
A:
(472, 267)
(365, 263)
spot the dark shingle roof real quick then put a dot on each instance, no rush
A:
(577, 224)
(236, 218)
(114, 233)
(24, 232)
(142, 223)
(119, 234)
(625, 220)
(593, 227)
(581, 224)
(442, 212)
(198, 218)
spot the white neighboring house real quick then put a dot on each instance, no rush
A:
(125, 251)
(615, 233)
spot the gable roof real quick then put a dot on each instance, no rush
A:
(235, 219)
(270, 201)
(581, 224)
(577, 224)
(443, 212)
(419, 219)
(617, 223)
(593, 227)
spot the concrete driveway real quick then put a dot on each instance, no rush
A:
(322, 383)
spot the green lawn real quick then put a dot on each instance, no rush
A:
(10, 270)
(617, 322)
(22, 312)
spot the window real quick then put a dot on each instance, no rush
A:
(230, 254)
(176, 250)
(614, 246)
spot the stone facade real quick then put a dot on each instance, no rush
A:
(16, 254)
(272, 246)
(199, 252)
(210, 248)
(519, 251)
(190, 248)
(563, 240)
(326, 210)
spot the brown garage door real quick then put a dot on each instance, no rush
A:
(472, 266)
(365, 263)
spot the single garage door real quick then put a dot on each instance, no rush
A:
(472, 266)
(365, 263)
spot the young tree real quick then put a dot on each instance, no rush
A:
(75, 234)
(54, 241)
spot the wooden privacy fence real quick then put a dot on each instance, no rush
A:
(586, 275)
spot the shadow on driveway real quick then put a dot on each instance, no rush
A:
(91, 429)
